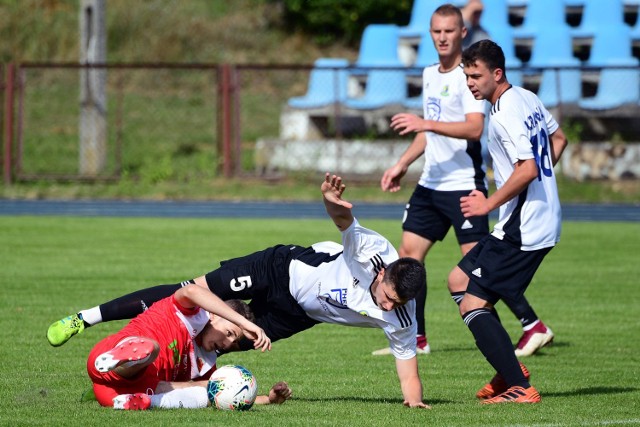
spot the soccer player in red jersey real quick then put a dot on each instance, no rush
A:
(165, 356)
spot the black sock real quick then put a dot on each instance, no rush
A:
(421, 302)
(494, 343)
(457, 297)
(522, 310)
(130, 305)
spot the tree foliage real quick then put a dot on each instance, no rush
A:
(330, 20)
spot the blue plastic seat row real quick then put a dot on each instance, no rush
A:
(328, 86)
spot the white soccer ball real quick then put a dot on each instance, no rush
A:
(232, 388)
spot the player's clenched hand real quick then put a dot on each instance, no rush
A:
(475, 204)
(259, 337)
(416, 405)
(280, 392)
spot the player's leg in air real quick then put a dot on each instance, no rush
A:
(261, 277)
(124, 307)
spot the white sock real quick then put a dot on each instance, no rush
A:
(190, 397)
(92, 315)
(529, 327)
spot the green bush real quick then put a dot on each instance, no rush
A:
(330, 20)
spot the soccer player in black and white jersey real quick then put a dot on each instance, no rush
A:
(525, 143)
(360, 282)
(449, 137)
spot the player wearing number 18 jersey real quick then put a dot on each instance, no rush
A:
(519, 129)
(525, 142)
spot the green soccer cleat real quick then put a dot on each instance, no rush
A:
(61, 331)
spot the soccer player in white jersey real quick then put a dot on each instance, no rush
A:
(525, 143)
(449, 137)
(361, 282)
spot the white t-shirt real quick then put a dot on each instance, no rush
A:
(519, 129)
(449, 163)
(339, 292)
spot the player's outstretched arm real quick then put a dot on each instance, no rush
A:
(410, 383)
(338, 209)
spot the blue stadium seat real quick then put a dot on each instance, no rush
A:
(575, 3)
(635, 31)
(414, 103)
(617, 87)
(384, 88)
(560, 87)
(541, 15)
(598, 13)
(427, 55)
(495, 15)
(504, 37)
(327, 84)
(552, 49)
(420, 20)
(378, 48)
(612, 47)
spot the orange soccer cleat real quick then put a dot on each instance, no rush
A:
(515, 394)
(498, 385)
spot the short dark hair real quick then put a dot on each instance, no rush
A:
(408, 276)
(450, 10)
(242, 308)
(486, 51)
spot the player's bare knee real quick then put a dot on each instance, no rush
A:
(457, 280)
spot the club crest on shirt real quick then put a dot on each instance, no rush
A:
(355, 283)
(433, 108)
(445, 91)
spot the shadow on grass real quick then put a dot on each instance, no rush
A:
(593, 391)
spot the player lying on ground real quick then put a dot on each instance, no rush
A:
(292, 288)
(165, 356)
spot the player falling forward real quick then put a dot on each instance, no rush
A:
(360, 282)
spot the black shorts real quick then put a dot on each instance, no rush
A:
(431, 213)
(263, 278)
(498, 270)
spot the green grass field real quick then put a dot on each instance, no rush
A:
(586, 290)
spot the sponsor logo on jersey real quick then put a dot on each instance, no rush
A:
(173, 346)
(337, 298)
(445, 91)
(355, 282)
(433, 109)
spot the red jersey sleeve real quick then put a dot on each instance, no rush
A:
(184, 310)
